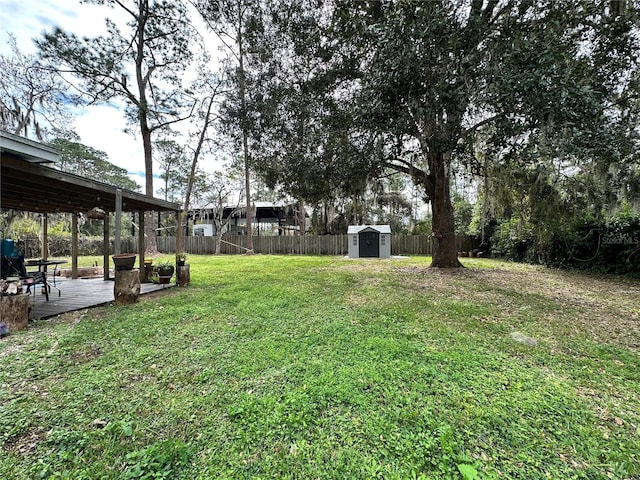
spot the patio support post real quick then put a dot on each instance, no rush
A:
(116, 247)
(44, 225)
(74, 245)
(105, 247)
(141, 245)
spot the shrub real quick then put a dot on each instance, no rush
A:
(607, 245)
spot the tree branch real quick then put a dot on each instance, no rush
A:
(171, 122)
(467, 132)
(126, 9)
(416, 174)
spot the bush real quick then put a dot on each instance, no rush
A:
(617, 244)
(423, 227)
(608, 245)
(511, 240)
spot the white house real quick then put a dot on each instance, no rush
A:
(369, 241)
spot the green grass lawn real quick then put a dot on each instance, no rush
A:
(322, 367)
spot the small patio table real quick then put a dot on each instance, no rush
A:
(43, 266)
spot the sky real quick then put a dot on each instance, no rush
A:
(101, 127)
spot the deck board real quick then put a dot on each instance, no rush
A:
(78, 294)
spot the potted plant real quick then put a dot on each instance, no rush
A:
(164, 271)
(124, 261)
(181, 258)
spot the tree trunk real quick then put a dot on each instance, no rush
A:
(126, 288)
(145, 130)
(247, 186)
(183, 275)
(435, 182)
(15, 311)
(150, 232)
(180, 224)
(302, 219)
(445, 254)
(183, 216)
(245, 128)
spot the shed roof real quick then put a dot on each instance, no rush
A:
(27, 185)
(353, 229)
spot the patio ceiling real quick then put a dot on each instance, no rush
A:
(27, 185)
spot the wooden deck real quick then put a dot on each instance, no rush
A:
(78, 294)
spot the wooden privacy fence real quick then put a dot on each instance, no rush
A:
(283, 245)
(307, 244)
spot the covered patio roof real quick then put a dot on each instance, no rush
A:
(27, 184)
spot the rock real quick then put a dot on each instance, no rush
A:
(520, 338)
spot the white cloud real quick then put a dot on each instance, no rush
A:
(28, 19)
(102, 127)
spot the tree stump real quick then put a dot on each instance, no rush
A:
(127, 287)
(14, 311)
(148, 272)
(183, 276)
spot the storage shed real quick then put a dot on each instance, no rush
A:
(369, 241)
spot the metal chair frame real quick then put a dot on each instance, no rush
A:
(14, 266)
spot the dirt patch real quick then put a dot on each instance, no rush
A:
(83, 272)
(358, 300)
(77, 358)
(606, 308)
(27, 442)
(11, 348)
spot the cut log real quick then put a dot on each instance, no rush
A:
(183, 276)
(126, 289)
(14, 311)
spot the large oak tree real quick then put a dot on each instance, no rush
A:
(531, 78)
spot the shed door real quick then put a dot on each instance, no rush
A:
(369, 244)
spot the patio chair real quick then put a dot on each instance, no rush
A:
(14, 267)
